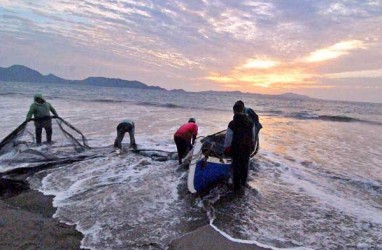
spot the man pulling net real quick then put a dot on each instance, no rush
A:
(40, 110)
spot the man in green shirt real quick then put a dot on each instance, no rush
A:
(40, 110)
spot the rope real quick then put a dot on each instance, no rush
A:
(146, 149)
(84, 140)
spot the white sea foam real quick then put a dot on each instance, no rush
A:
(105, 186)
(253, 242)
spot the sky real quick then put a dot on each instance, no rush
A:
(323, 49)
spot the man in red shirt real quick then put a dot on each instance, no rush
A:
(185, 137)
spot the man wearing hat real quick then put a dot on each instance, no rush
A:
(185, 137)
(239, 143)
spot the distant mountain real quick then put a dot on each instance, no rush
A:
(115, 82)
(178, 90)
(292, 96)
(286, 96)
(20, 73)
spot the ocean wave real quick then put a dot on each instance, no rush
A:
(8, 94)
(334, 118)
(346, 119)
(369, 185)
(303, 115)
(274, 111)
(107, 101)
(339, 118)
(164, 105)
(172, 105)
(160, 105)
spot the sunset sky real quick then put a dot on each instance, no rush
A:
(324, 49)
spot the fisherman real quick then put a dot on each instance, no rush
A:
(239, 143)
(122, 128)
(40, 110)
(185, 138)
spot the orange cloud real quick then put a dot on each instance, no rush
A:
(269, 73)
(256, 63)
(261, 78)
(356, 74)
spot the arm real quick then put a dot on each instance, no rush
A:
(228, 141)
(194, 134)
(30, 112)
(254, 135)
(228, 138)
(52, 110)
(193, 139)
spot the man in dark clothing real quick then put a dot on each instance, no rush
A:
(185, 137)
(122, 128)
(239, 143)
(40, 110)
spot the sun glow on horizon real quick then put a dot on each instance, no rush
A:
(262, 80)
(278, 74)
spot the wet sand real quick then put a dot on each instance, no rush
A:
(208, 238)
(26, 223)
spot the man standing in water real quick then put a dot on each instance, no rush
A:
(122, 128)
(185, 137)
(40, 110)
(239, 143)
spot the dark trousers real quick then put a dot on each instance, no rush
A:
(182, 146)
(43, 124)
(122, 128)
(240, 165)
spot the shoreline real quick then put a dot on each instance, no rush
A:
(27, 222)
(207, 237)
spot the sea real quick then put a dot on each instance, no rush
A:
(316, 182)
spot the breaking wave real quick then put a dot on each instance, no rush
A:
(165, 105)
(332, 118)
(107, 101)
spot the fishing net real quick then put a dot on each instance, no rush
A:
(213, 145)
(20, 146)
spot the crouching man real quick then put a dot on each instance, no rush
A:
(123, 127)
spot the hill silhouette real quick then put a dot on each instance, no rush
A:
(20, 73)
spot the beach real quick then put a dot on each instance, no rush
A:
(208, 238)
(26, 223)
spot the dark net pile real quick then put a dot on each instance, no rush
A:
(213, 145)
(20, 145)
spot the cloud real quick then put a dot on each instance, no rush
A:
(357, 74)
(264, 79)
(258, 63)
(278, 74)
(334, 51)
(237, 44)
